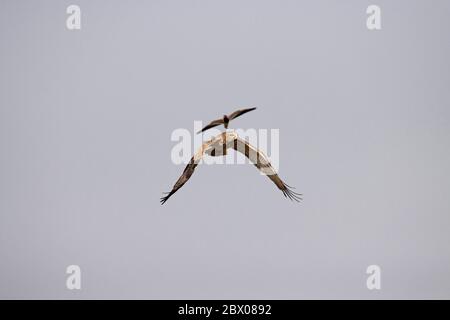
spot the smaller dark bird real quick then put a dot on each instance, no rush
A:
(226, 119)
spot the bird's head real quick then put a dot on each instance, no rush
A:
(230, 135)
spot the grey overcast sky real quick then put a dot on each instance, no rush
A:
(85, 123)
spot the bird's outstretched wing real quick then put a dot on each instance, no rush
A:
(239, 113)
(212, 124)
(206, 148)
(187, 173)
(261, 162)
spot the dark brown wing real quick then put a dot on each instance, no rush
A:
(187, 173)
(262, 163)
(239, 112)
(212, 124)
(286, 189)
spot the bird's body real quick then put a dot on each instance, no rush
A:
(218, 146)
(226, 119)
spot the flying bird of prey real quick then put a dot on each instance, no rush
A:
(218, 146)
(226, 119)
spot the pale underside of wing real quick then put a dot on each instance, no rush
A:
(206, 147)
(260, 160)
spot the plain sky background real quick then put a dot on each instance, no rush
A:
(85, 124)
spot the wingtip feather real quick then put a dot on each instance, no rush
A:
(292, 195)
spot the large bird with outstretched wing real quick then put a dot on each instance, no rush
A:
(218, 146)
